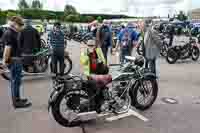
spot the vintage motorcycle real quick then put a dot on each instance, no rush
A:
(189, 50)
(40, 64)
(75, 100)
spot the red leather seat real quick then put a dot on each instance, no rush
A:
(101, 80)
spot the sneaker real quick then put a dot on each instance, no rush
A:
(20, 104)
(23, 100)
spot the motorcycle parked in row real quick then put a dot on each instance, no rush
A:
(163, 50)
(75, 100)
(189, 50)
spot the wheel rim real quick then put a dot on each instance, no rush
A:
(69, 110)
(145, 93)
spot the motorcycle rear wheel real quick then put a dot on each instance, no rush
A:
(73, 104)
(195, 53)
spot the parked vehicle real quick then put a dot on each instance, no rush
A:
(40, 64)
(189, 50)
(75, 100)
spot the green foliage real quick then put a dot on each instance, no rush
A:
(2, 17)
(11, 14)
(36, 4)
(23, 5)
(70, 10)
(100, 19)
(181, 16)
(72, 18)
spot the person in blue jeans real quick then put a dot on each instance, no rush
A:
(126, 40)
(12, 58)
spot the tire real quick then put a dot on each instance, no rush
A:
(173, 55)
(69, 62)
(6, 76)
(135, 91)
(163, 51)
(195, 50)
(56, 111)
(43, 64)
(139, 49)
(43, 43)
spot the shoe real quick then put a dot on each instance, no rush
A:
(20, 104)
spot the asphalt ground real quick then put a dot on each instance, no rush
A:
(180, 81)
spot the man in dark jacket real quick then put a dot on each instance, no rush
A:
(57, 42)
(29, 40)
(12, 59)
(104, 38)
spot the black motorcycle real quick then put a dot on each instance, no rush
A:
(75, 100)
(189, 50)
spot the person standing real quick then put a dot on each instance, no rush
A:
(104, 38)
(152, 45)
(29, 40)
(127, 39)
(12, 59)
(56, 40)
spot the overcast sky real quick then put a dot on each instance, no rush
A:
(129, 7)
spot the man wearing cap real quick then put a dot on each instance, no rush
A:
(29, 40)
(12, 59)
(57, 42)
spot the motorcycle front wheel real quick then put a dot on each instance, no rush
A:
(73, 103)
(144, 94)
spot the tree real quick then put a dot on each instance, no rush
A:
(36, 4)
(99, 18)
(11, 14)
(22, 5)
(89, 18)
(72, 18)
(69, 10)
(181, 16)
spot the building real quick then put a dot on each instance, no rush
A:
(196, 14)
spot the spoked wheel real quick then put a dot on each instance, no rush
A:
(41, 64)
(195, 53)
(172, 56)
(145, 94)
(67, 106)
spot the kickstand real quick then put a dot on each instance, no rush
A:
(83, 128)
